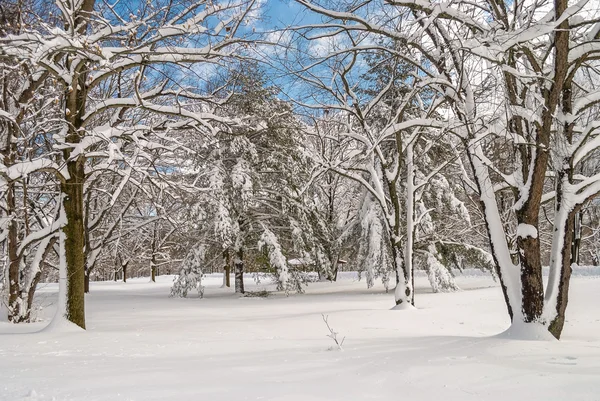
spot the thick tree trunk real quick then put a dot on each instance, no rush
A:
(239, 270)
(73, 187)
(532, 286)
(528, 241)
(74, 241)
(228, 276)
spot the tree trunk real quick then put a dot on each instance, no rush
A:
(74, 241)
(239, 270)
(37, 277)
(556, 325)
(86, 283)
(532, 286)
(404, 290)
(72, 188)
(227, 268)
(496, 235)
(227, 276)
(576, 248)
(410, 222)
(14, 306)
(125, 272)
(153, 258)
(31, 294)
(559, 275)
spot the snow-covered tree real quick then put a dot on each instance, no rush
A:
(28, 207)
(391, 127)
(100, 60)
(252, 184)
(509, 78)
(190, 274)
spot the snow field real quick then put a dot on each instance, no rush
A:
(141, 345)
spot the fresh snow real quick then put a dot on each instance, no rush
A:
(526, 230)
(143, 345)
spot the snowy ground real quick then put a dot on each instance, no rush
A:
(141, 345)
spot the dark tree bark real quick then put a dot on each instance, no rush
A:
(239, 270)
(556, 326)
(74, 241)
(125, 271)
(227, 269)
(86, 284)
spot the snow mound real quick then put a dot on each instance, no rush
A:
(404, 306)
(527, 332)
(61, 325)
(31, 396)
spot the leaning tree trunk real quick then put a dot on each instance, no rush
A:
(562, 296)
(559, 275)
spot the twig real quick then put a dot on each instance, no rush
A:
(333, 334)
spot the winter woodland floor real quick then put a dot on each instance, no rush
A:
(141, 345)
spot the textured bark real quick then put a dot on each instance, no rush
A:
(74, 242)
(532, 286)
(227, 258)
(556, 326)
(125, 272)
(31, 294)
(72, 188)
(239, 270)
(402, 278)
(562, 87)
